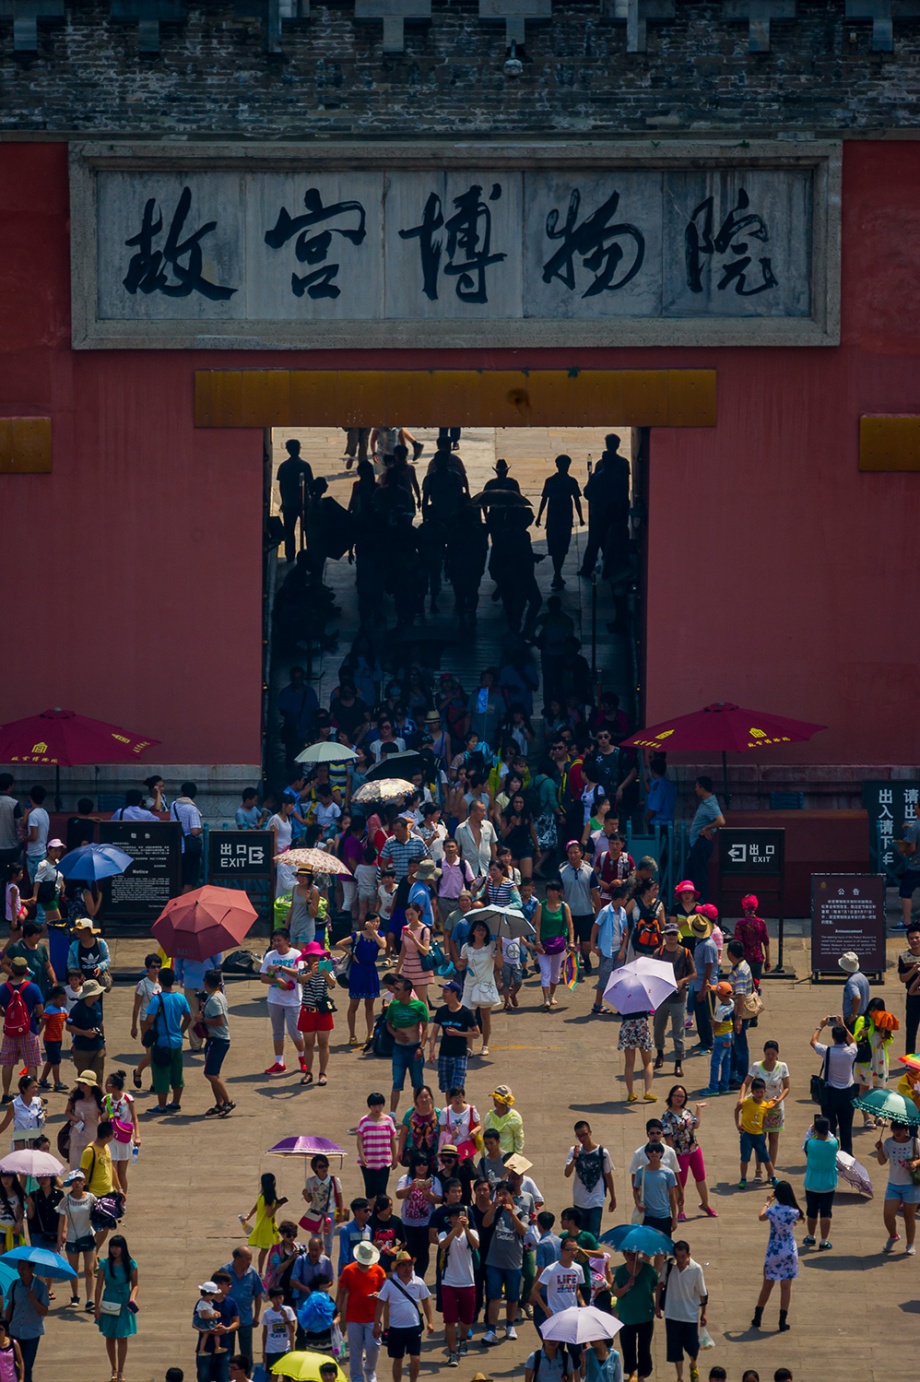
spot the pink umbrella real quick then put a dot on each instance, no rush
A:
(306, 1146)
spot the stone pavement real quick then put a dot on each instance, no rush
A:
(530, 453)
(853, 1310)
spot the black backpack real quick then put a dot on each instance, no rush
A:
(382, 1041)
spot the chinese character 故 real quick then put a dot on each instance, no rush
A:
(149, 270)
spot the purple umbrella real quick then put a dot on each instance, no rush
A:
(306, 1146)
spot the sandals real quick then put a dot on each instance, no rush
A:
(226, 1110)
(138, 1081)
(212, 1112)
(306, 1078)
(322, 1081)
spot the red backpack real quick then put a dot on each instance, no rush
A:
(17, 1019)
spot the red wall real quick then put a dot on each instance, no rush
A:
(779, 576)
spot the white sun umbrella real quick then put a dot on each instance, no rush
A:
(580, 1324)
(640, 986)
(502, 921)
(386, 789)
(326, 753)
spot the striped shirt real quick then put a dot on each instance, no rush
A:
(377, 1141)
(741, 979)
(188, 816)
(399, 853)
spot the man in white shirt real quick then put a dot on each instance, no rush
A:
(458, 1278)
(592, 1169)
(404, 1295)
(683, 1288)
(654, 1132)
(281, 970)
(133, 810)
(563, 1281)
(477, 840)
(38, 825)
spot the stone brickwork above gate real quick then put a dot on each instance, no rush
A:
(299, 68)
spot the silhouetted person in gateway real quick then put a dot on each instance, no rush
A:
(607, 493)
(295, 475)
(560, 492)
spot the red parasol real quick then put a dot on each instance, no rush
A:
(203, 922)
(722, 728)
(63, 738)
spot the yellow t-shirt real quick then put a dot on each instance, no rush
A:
(100, 1180)
(721, 1027)
(753, 1114)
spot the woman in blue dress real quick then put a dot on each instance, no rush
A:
(363, 979)
(781, 1263)
(116, 1293)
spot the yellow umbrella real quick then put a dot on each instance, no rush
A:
(304, 1367)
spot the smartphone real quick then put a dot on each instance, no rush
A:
(133, 1307)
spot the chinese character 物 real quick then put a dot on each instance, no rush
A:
(147, 271)
(469, 243)
(732, 237)
(313, 249)
(597, 243)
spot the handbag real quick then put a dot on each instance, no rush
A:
(109, 1307)
(752, 1006)
(343, 970)
(159, 1055)
(427, 962)
(123, 1132)
(554, 945)
(106, 1212)
(63, 1140)
(818, 1086)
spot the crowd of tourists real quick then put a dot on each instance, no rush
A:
(447, 1233)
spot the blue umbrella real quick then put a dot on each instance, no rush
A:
(45, 1262)
(634, 1238)
(92, 862)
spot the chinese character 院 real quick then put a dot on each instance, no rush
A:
(468, 243)
(314, 248)
(596, 242)
(150, 269)
(729, 245)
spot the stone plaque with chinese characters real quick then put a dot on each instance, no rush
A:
(497, 245)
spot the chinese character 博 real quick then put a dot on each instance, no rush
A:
(469, 243)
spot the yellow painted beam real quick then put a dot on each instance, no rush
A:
(25, 445)
(496, 398)
(889, 442)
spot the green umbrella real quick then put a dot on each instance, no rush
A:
(886, 1103)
